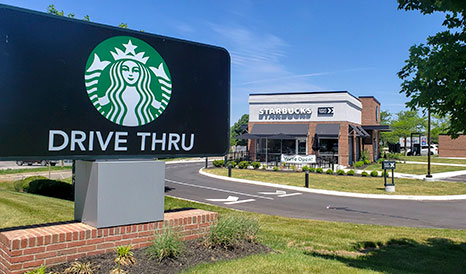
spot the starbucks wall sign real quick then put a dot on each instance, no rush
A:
(79, 90)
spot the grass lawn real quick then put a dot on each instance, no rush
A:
(18, 209)
(307, 246)
(302, 246)
(29, 170)
(346, 183)
(418, 169)
(434, 159)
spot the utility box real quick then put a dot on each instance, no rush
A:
(115, 193)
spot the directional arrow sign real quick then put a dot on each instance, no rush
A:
(231, 200)
(280, 193)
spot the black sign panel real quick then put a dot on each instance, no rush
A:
(71, 89)
(325, 111)
(388, 165)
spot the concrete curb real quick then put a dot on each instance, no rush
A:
(340, 193)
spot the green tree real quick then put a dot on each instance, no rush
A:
(237, 129)
(407, 122)
(439, 125)
(386, 119)
(434, 76)
(52, 10)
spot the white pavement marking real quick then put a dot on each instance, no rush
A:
(240, 202)
(288, 195)
(218, 189)
(280, 193)
(231, 200)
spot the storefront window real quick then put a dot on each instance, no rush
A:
(328, 146)
(302, 147)
(289, 147)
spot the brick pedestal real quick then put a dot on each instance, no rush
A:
(25, 249)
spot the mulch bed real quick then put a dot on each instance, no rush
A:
(195, 252)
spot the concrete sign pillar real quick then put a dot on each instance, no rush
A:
(115, 193)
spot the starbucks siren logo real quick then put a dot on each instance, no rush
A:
(127, 81)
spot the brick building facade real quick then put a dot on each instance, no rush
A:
(449, 147)
(332, 123)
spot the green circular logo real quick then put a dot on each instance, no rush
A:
(128, 81)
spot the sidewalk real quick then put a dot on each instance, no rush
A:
(435, 164)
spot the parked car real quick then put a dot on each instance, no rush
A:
(40, 162)
(424, 150)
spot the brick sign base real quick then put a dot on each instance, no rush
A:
(25, 249)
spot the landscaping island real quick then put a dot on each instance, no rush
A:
(345, 183)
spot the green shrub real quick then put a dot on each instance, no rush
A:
(218, 163)
(394, 156)
(255, 165)
(232, 163)
(329, 171)
(364, 174)
(305, 168)
(293, 167)
(364, 155)
(275, 168)
(42, 186)
(40, 270)
(389, 173)
(374, 173)
(380, 160)
(359, 164)
(243, 164)
(367, 162)
(340, 172)
(263, 167)
(350, 172)
(311, 169)
(166, 245)
(319, 170)
(232, 230)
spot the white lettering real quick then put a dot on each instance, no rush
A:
(104, 145)
(143, 136)
(161, 141)
(173, 139)
(77, 137)
(91, 140)
(261, 111)
(119, 140)
(52, 134)
(183, 142)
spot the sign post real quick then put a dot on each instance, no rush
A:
(389, 165)
(96, 93)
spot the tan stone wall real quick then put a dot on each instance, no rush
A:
(449, 147)
(368, 115)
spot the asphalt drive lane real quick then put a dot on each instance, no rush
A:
(184, 181)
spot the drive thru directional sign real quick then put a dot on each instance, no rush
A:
(388, 165)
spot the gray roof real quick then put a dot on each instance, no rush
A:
(328, 129)
(275, 129)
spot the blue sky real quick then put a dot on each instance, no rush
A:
(281, 46)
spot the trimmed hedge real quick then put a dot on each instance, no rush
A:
(350, 172)
(329, 171)
(364, 174)
(359, 164)
(319, 170)
(374, 173)
(243, 164)
(218, 163)
(255, 165)
(340, 172)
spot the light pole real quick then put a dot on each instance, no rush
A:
(428, 144)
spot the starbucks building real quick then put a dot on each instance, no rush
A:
(333, 125)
